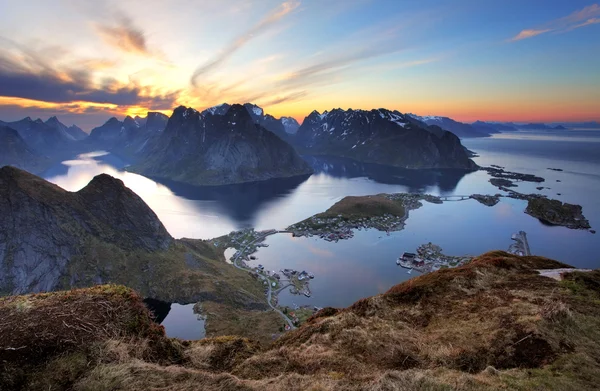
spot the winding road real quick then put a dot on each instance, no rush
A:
(269, 293)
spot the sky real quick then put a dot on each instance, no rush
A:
(509, 60)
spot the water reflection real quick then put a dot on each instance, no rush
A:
(416, 181)
(179, 320)
(240, 202)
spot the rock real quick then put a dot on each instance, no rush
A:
(43, 228)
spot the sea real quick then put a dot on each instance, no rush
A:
(366, 264)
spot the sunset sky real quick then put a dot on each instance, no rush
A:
(534, 60)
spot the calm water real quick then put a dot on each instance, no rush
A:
(348, 270)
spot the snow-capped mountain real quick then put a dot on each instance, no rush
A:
(282, 127)
(290, 125)
(380, 136)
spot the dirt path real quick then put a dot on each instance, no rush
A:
(557, 273)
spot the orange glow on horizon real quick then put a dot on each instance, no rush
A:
(462, 111)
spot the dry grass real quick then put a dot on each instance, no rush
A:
(365, 206)
(493, 324)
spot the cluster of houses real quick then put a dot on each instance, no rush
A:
(337, 228)
(429, 258)
(303, 275)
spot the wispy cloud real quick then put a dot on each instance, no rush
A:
(125, 36)
(584, 17)
(258, 29)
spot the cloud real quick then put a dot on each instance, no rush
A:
(256, 30)
(29, 76)
(324, 71)
(292, 97)
(125, 36)
(528, 34)
(584, 17)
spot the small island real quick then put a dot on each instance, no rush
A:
(385, 212)
(487, 200)
(555, 212)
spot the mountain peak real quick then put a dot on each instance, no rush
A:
(238, 113)
(254, 109)
(104, 181)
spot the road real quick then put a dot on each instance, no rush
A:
(269, 293)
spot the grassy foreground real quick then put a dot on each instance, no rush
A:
(493, 324)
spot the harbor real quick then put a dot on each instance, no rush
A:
(428, 258)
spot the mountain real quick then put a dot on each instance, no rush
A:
(74, 131)
(290, 125)
(540, 126)
(213, 149)
(460, 129)
(579, 125)
(496, 323)
(382, 137)
(282, 127)
(54, 239)
(493, 127)
(15, 152)
(534, 126)
(48, 138)
(44, 228)
(128, 137)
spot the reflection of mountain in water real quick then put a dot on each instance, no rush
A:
(242, 202)
(416, 180)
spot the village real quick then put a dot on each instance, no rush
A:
(340, 227)
(333, 229)
(247, 242)
(429, 258)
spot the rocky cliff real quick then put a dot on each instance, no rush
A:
(214, 149)
(104, 233)
(15, 152)
(380, 136)
(43, 227)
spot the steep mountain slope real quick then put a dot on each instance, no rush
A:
(382, 137)
(212, 149)
(52, 239)
(460, 129)
(15, 152)
(45, 138)
(43, 227)
(493, 324)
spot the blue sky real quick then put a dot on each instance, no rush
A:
(492, 60)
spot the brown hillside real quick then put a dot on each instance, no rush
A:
(494, 324)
